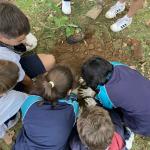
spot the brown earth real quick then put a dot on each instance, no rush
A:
(124, 50)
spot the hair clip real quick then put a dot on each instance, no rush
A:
(51, 83)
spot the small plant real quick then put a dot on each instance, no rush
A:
(60, 21)
(71, 29)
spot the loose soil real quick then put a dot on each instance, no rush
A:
(112, 50)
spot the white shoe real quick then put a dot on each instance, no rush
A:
(66, 7)
(114, 10)
(121, 24)
(130, 140)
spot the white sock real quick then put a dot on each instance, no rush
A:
(66, 7)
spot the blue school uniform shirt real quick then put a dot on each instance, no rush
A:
(128, 90)
(45, 127)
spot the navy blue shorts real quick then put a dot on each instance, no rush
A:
(32, 66)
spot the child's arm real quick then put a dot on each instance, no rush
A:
(103, 97)
(27, 82)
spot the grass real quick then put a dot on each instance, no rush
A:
(40, 15)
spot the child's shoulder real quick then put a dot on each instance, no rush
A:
(8, 54)
(6, 49)
(72, 101)
(10, 104)
(118, 64)
(14, 95)
(30, 100)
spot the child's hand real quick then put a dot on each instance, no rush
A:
(28, 83)
(30, 41)
(82, 82)
(86, 92)
(90, 101)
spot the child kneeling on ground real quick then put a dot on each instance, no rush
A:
(118, 86)
(14, 35)
(97, 131)
(49, 119)
(10, 100)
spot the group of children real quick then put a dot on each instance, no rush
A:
(117, 96)
(119, 7)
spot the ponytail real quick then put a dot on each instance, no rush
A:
(55, 84)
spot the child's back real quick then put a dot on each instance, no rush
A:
(118, 86)
(47, 123)
(129, 90)
(45, 127)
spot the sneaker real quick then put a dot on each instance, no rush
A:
(66, 7)
(121, 24)
(114, 10)
(130, 140)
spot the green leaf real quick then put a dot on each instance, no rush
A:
(69, 31)
(60, 21)
(54, 7)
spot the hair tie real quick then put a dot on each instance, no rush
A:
(51, 83)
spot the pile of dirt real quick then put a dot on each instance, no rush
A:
(112, 50)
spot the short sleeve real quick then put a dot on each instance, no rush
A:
(10, 103)
(28, 103)
(6, 54)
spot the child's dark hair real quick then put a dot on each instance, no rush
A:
(55, 84)
(95, 128)
(95, 71)
(13, 22)
(9, 73)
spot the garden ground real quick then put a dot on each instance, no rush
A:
(131, 46)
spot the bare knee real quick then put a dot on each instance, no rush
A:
(48, 60)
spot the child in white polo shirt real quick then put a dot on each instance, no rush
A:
(10, 100)
(14, 40)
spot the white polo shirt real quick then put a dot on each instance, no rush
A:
(6, 54)
(10, 103)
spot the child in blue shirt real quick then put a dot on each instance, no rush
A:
(117, 86)
(49, 118)
(98, 131)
